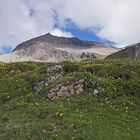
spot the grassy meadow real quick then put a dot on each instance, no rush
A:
(113, 114)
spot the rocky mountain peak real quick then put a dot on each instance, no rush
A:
(51, 48)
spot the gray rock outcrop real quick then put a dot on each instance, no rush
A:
(64, 91)
(53, 73)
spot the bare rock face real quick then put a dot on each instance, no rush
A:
(44, 52)
(88, 56)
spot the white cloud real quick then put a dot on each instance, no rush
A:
(60, 33)
(16, 24)
(114, 20)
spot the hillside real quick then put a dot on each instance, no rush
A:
(130, 52)
(84, 100)
(50, 48)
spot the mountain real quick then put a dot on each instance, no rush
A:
(50, 48)
(130, 52)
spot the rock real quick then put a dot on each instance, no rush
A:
(12, 71)
(96, 91)
(88, 56)
(64, 91)
(52, 78)
(67, 94)
(64, 88)
(72, 126)
(59, 94)
(54, 73)
(54, 69)
(54, 129)
(124, 75)
(52, 94)
(78, 88)
(38, 86)
(55, 92)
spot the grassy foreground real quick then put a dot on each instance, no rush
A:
(113, 114)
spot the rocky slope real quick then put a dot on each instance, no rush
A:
(50, 48)
(131, 52)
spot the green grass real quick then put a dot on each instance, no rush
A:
(112, 115)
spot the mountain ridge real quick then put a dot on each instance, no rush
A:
(51, 48)
(130, 52)
(50, 38)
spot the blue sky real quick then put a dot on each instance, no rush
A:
(87, 35)
(5, 49)
(114, 22)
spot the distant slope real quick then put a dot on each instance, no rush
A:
(37, 52)
(50, 48)
(131, 52)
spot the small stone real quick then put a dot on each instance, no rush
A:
(96, 91)
(71, 125)
(39, 85)
(54, 129)
(54, 69)
(12, 71)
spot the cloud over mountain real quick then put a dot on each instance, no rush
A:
(114, 20)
